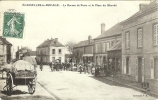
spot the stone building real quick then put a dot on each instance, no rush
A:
(140, 45)
(5, 50)
(50, 51)
(86, 49)
(108, 41)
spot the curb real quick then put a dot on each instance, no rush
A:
(140, 89)
(53, 95)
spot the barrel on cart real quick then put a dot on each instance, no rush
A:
(21, 73)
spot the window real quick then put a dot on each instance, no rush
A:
(108, 45)
(155, 68)
(140, 38)
(155, 31)
(96, 46)
(103, 47)
(53, 51)
(100, 48)
(59, 51)
(127, 40)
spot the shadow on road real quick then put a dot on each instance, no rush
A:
(112, 83)
(16, 92)
(31, 97)
(109, 82)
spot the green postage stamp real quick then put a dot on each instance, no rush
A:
(13, 25)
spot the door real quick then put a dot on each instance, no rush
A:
(127, 65)
(155, 68)
(139, 69)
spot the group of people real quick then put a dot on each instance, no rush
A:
(98, 70)
(58, 66)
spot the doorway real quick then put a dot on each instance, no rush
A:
(140, 70)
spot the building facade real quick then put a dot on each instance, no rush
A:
(50, 51)
(85, 48)
(140, 45)
(5, 51)
(106, 42)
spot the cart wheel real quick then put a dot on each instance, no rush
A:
(9, 84)
(31, 88)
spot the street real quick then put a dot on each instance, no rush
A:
(68, 85)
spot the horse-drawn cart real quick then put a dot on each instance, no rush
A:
(21, 73)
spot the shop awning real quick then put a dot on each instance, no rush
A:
(87, 55)
(116, 46)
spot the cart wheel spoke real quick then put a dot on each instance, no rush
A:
(31, 88)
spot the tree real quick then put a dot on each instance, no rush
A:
(70, 44)
(77, 55)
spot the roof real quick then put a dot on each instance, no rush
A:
(51, 42)
(32, 53)
(115, 30)
(145, 9)
(84, 43)
(4, 41)
(116, 46)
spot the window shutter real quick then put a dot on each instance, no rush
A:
(124, 65)
(152, 68)
(136, 73)
(129, 67)
(143, 69)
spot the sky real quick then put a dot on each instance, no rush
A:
(66, 22)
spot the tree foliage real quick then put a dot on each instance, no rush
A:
(70, 44)
(77, 55)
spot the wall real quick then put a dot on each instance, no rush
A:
(57, 55)
(147, 52)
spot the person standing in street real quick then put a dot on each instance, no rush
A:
(41, 66)
(50, 65)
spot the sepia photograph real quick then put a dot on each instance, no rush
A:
(79, 50)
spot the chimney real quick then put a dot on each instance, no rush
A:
(89, 39)
(56, 39)
(102, 28)
(142, 5)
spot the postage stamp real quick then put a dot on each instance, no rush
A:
(13, 24)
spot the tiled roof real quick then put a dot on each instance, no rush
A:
(84, 43)
(51, 42)
(4, 41)
(116, 46)
(115, 30)
(147, 8)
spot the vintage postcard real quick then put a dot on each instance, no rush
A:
(79, 50)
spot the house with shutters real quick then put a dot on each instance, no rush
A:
(50, 50)
(85, 48)
(140, 45)
(107, 46)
